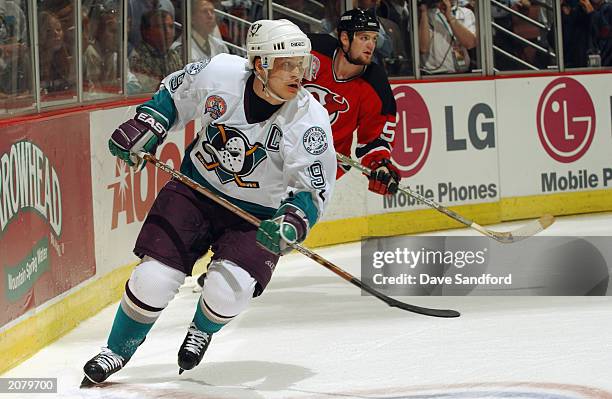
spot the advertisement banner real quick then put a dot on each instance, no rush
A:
(46, 216)
(445, 145)
(122, 196)
(555, 134)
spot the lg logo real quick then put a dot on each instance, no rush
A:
(413, 131)
(480, 127)
(565, 120)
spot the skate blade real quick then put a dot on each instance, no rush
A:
(87, 383)
(181, 371)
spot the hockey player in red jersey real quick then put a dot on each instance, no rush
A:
(356, 93)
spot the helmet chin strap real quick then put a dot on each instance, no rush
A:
(346, 54)
(267, 91)
(348, 57)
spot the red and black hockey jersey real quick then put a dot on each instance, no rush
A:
(363, 103)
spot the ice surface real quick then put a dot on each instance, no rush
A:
(311, 335)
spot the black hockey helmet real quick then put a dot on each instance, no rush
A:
(357, 20)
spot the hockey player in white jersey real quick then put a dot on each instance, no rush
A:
(266, 146)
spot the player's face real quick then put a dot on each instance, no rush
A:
(362, 47)
(286, 75)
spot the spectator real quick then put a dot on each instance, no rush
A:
(204, 43)
(576, 25)
(136, 9)
(233, 30)
(13, 22)
(153, 58)
(63, 10)
(445, 35)
(397, 11)
(101, 57)
(501, 39)
(531, 32)
(331, 17)
(56, 72)
(601, 31)
(14, 55)
(471, 4)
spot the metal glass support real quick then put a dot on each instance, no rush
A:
(480, 48)
(79, 50)
(487, 38)
(267, 12)
(34, 43)
(414, 26)
(559, 37)
(187, 31)
(124, 47)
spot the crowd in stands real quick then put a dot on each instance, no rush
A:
(523, 37)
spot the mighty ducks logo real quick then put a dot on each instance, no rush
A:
(254, 29)
(233, 157)
(334, 103)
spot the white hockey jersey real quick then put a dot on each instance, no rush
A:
(289, 157)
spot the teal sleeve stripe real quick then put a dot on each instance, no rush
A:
(161, 107)
(303, 200)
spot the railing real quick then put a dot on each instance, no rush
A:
(296, 14)
(523, 40)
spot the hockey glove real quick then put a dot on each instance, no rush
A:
(384, 176)
(288, 226)
(143, 133)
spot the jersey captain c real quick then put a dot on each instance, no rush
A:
(289, 157)
(364, 103)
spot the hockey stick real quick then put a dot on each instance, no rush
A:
(304, 251)
(505, 237)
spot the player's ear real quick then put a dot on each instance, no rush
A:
(344, 40)
(258, 67)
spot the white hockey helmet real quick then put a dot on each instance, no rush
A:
(270, 39)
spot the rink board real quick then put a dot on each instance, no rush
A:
(500, 150)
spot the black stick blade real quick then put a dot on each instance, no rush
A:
(447, 313)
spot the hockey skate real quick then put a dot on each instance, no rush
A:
(101, 366)
(192, 350)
